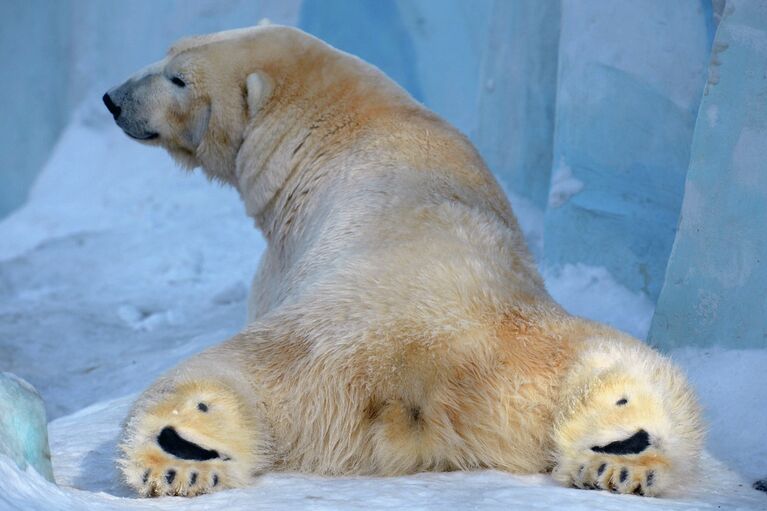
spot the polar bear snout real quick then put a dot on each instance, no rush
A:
(129, 108)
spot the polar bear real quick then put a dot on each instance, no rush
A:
(397, 321)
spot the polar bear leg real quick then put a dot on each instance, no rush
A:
(631, 423)
(194, 432)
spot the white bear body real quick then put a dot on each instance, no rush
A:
(398, 323)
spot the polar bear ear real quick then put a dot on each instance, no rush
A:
(199, 126)
(258, 88)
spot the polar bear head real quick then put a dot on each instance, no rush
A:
(262, 88)
(197, 100)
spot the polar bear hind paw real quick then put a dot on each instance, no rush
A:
(623, 466)
(196, 438)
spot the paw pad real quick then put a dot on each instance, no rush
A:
(635, 444)
(173, 443)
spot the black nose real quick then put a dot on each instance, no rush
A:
(113, 109)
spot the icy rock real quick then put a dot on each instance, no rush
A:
(716, 277)
(630, 79)
(23, 427)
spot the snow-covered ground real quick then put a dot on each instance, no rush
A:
(120, 265)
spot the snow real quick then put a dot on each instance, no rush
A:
(563, 185)
(120, 265)
(731, 386)
(592, 292)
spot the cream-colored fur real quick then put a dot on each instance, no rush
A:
(398, 323)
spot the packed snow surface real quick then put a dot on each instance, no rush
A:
(121, 265)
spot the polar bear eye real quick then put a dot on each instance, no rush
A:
(622, 401)
(178, 81)
(202, 407)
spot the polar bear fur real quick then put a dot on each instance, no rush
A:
(398, 323)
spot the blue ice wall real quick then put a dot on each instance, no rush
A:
(717, 274)
(517, 95)
(630, 80)
(33, 94)
(450, 40)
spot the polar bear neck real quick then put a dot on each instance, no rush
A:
(323, 111)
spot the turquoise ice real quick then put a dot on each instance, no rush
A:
(23, 426)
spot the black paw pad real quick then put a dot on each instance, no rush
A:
(145, 477)
(215, 479)
(650, 478)
(172, 443)
(193, 479)
(601, 469)
(624, 474)
(170, 475)
(632, 445)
